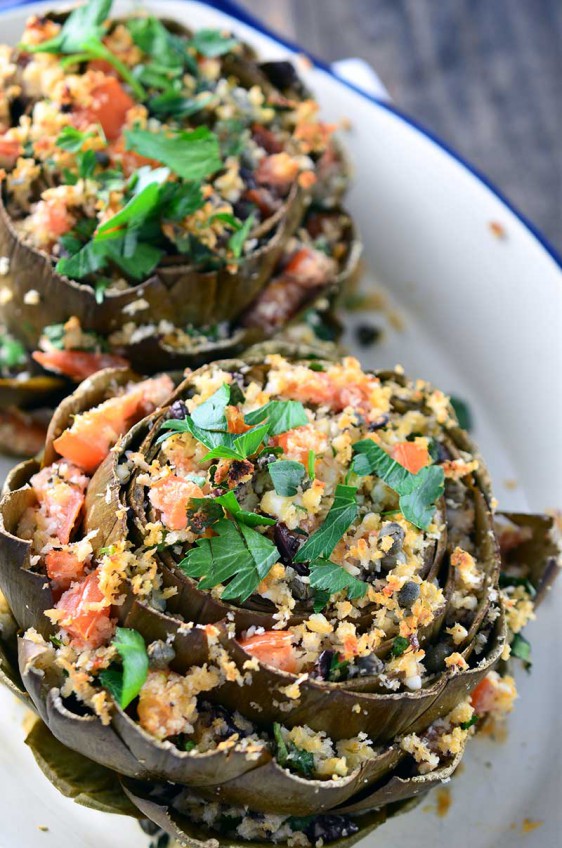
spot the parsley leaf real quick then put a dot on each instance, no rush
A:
(241, 447)
(212, 43)
(204, 512)
(72, 139)
(286, 475)
(340, 517)
(192, 154)
(210, 415)
(311, 462)
(282, 415)
(463, 413)
(289, 756)
(237, 240)
(12, 352)
(236, 554)
(163, 47)
(399, 645)
(328, 576)
(176, 105)
(521, 648)
(126, 684)
(418, 493)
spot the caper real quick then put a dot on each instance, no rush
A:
(408, 594)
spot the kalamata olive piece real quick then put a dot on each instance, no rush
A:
(367, 334)
(177, 411)
(286, 542)
(366, 666)
(393, 555)
(160, 654)
(322, 665)
(435, 656)
(282, 75)
(379, 422)
(408, 594)
(330, 827)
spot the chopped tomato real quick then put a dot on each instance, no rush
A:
(64, 567)
(274, 647)
(53, 219)
(483, 697)
(278, 170)
(412, 456)
(309, 268)
(87, 624)
(92, 434)
(298, 443)
(103, 66)
(109, 107)
(128, 159)
(10, 150)
(61, 501)
(171, 496)
(77, 364)
(235, 420)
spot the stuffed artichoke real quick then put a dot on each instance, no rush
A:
(270, 603)
(166, 196)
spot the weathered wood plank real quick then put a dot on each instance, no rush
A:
(483, 74)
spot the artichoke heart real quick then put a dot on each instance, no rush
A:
(271, 603)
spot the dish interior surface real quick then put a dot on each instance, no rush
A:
(480, 316)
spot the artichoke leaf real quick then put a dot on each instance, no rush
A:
(77, 777)
(537, 555)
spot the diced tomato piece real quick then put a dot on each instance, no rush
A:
(235, 420)
(274, 647)
(10, 150)
(53, 219)
(298, 443)
(483, 697)
(109, 107)
(103, 66)
(77, 364)
(412, 456)
(61, 501)
(92, 434)
(278, 169)
(171, 496)
(310, 268)
(87, 625)
(64, 567)
(128, 159)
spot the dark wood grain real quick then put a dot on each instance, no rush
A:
(485, 75)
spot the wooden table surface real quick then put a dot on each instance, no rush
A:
(485, 75)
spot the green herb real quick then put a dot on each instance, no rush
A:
(465, 725)
(236, 554)
(463, 413)
(338, 669)
(340, 517)
(165, 49)
(521, 648)
(237, 240)
(288, 755)
(321, 600)
(300, 823)
(241, 447)
(282, 415)
(189, 745)
(507, 580)
(311, 461)
(316, 366)
(81, 37)
(203, 512)
(330, 577)
(55, 334)
(211, 415)
(287, 476)
(212, 43)
(399, 645)
(109, 550)
(192, 155)
(72, 139)
(134, 213)
(55, 641)
(172, 104)
(12, 352)
(101, 284)
(125, 684)
(418, 493)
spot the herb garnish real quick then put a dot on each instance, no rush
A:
(399, 645)
(463, 413)
(340, 517)
(12, 352)
(328, 576)
(204, 512)
(236, 555)
(287, 476)
(521, 648)
(125, 683)
(288, 755)
(418, 493)
(191, 154)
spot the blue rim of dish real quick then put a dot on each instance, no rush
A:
(234, 10)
